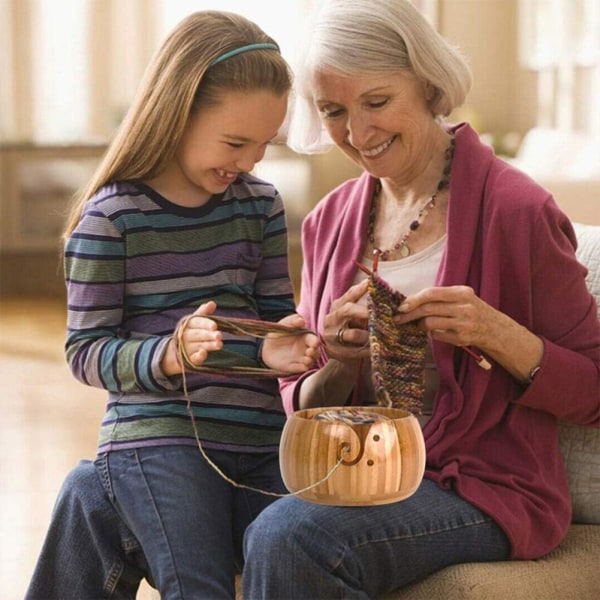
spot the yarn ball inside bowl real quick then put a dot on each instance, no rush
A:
(352, 456)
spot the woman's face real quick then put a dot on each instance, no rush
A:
(220, 142)
(383, 123)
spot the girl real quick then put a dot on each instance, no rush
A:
(172, 226)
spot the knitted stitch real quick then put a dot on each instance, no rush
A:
(397, 351)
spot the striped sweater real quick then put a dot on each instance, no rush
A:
(136, 264)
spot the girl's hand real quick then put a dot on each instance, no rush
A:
(291, 353)
(345, 328)
(346, 339)
(199, 337)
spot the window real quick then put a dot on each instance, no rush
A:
(69, 68)
(60, 76)
(560, 41)
(281, 20)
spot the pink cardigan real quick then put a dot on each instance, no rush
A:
(492, 441)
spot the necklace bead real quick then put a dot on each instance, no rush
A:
(401, 246)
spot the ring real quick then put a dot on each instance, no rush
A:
(339, 336)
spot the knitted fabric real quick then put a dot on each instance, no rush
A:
(397, 351)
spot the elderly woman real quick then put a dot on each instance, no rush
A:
(486, 260)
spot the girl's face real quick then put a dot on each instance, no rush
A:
(383, 123)
(220, 142)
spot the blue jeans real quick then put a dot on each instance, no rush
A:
(333, 552)
(158, 512)
(88, 553)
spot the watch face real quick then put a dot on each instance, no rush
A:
(533, 373)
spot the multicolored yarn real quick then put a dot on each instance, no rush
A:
(397, 351)
(226, 362)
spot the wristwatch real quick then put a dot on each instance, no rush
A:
(532, 374)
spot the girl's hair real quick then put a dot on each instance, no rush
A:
(359, 38)
(181, 79)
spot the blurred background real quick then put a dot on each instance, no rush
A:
(68, 70)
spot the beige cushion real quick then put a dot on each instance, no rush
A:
(568, 573)
(588, 254)
(580, 446)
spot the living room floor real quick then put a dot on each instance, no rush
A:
(49, 422)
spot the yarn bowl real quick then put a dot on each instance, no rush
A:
(352, 456)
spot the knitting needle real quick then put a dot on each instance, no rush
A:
(479, 358)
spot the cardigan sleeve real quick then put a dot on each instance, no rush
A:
(564, 315)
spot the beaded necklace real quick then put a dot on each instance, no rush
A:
(401, 245)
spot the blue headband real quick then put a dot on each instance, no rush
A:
(226, 55)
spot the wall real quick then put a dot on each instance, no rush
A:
(504, 97)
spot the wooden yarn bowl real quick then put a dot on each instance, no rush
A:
(382, 462)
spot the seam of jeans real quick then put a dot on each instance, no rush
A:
(101, 464)
(113, 578)
(477, 523)
(157, 512)
(131, 545)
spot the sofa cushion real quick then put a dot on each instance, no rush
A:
(580, 446)
(570, 572)
(588, 254)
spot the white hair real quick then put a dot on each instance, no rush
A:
(360, 38)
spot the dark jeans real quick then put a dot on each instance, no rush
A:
(161, 513)
(329, 552)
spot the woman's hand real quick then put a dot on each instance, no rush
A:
(199, 337)
(456, 315)
(346, 340)
(345, 328)
(290, 353)
(453, 314)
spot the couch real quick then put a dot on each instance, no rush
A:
(571, 571)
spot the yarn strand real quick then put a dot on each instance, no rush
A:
(252, 328)
(234, 363)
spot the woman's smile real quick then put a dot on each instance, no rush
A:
(378, 150)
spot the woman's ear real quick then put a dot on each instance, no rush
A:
(432, 96)
(431, 93)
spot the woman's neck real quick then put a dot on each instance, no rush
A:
(412, 190)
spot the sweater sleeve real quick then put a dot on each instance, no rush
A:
(332, 241)
(273, 288)
(97, 352)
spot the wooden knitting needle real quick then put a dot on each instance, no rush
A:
(479, 358)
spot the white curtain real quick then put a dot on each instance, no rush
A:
(69, 68)
(560, 42)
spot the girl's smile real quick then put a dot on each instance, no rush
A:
(220, 142)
